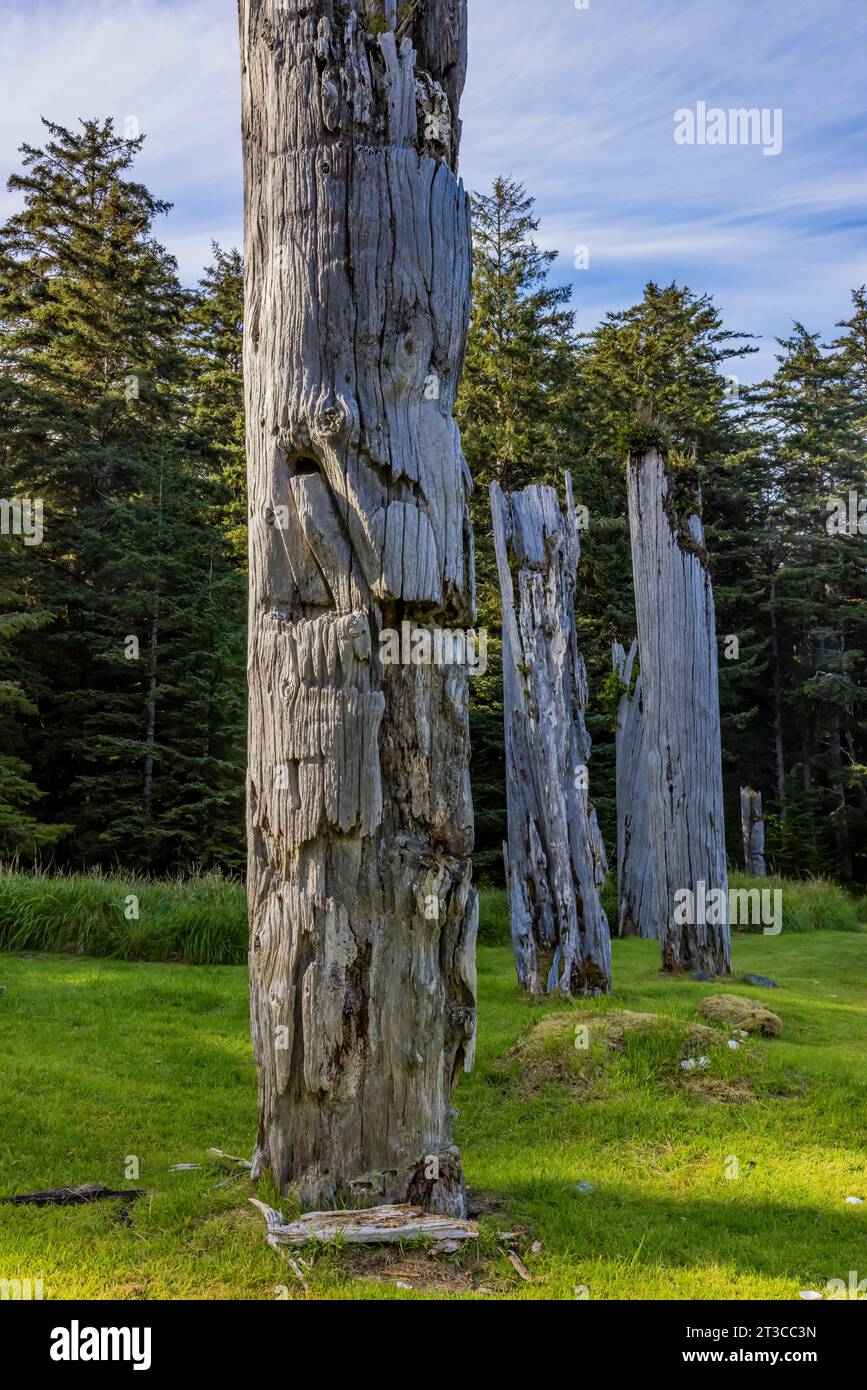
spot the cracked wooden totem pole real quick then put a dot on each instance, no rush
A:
(753, 830)
(636, 912)
(362, 917)
(554, 858)
(680, 698)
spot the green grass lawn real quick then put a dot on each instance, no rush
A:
(104, 1059)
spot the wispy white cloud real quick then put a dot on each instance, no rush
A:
(173, 66)
(579, 104)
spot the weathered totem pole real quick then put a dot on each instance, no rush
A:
(680, 695)
(753, 828)
(555, 859)
(362, 917)
(636, 911)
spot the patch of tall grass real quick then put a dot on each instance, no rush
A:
(811, 904)
(200, 919)
(808, 904)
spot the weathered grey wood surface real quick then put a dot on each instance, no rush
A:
(385, 1225)
(753, 828)
(362, 917)
(677, 641)
(636, 910)
(555, 859)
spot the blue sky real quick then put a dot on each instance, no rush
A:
(577, 103)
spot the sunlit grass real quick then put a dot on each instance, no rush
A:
(104, 1059)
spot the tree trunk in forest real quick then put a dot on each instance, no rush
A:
(362, 916)
(838, 787)
(680, 694)
(151, 711)
(753, 828)
(779, 746)
(636, 911)
(151, 707)
(555, 859)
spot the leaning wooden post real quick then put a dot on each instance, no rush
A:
(636, 911)
(362, 917)
(753, 827)
(677, 640)
(555, 859)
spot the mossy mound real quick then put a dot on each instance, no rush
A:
(602, 1054)
(736, 1011)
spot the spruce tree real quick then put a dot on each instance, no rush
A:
(22, 833)
(215, 347)
(811, 421)
(95, 389)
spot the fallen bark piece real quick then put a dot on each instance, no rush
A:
(739, 1012)
(228, 1160)
(368, 1226)
(518, 1264)
(72, 1196)
(296, 1269)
